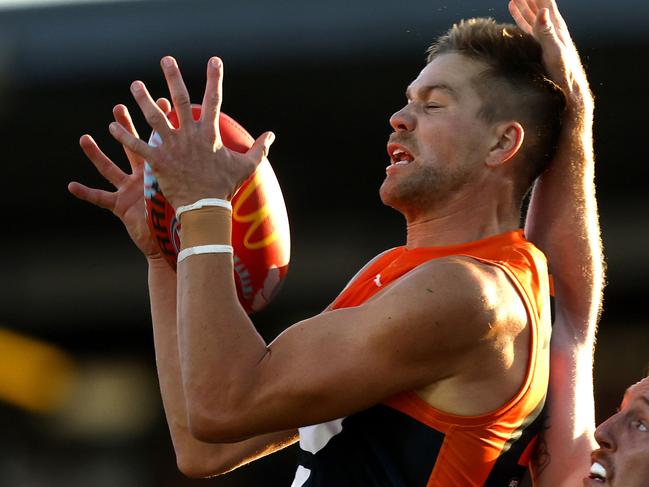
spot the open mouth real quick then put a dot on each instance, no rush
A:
(399, 155)
(598, 473)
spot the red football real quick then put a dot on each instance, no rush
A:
(260, 231)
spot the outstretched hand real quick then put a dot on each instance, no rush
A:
(191, 163)
(542, 20)
(127, 202)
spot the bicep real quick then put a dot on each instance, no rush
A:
(346, 360)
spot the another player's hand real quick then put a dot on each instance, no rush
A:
(541, 19)
(191, 163)
(127, 202)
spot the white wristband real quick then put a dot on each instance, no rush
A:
(205, 249)
(201, 203)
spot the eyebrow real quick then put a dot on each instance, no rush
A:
(424, 91)
(643, 397)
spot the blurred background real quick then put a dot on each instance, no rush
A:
(79, 401)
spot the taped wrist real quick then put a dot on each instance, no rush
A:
(205, 230)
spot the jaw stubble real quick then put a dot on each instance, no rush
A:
(427, 188)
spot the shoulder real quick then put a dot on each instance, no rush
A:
(362, 271)
(442, 314)
(454, 291)
(463, 279)
(369, 264)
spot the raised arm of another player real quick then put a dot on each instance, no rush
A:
(563, 222)
(194, 458)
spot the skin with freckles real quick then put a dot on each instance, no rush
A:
(624, 441)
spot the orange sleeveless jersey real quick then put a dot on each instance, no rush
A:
(478, 450)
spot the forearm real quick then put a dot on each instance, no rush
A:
(218, 344)
(195, 458)
(569, 437)
(563, 222)
(574, 251)
(162, 293)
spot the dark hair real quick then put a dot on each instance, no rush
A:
(514, 85)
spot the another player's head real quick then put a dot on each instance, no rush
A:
(481, 115)
(622, 459)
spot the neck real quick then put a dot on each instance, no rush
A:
(457, 223)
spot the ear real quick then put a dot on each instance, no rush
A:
(508, 139)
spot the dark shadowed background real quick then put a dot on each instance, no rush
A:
(325, 77)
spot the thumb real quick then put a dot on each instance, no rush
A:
(261, 147)
(543, 28)
(546, 34)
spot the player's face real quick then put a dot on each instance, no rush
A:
(622, 459)
(439, 142)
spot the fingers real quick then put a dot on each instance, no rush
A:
(555, 55)
(545, 33)
(526, 9)
(152, 113)
(518, 17)
(164, 104)
(212, 98)
(97, 197)
(261, 147)
(177, 90)
(535, 17)
(132, 143)
(123, 117)
(555, 15)
(557, 20)
(104, 165)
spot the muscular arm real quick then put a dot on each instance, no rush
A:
(236, 386)
(563, 222)
(332, 365)
(195, 458)
(126, 202)
(325, 367)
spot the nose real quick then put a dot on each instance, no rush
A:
(403, 120)
(605, 432)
